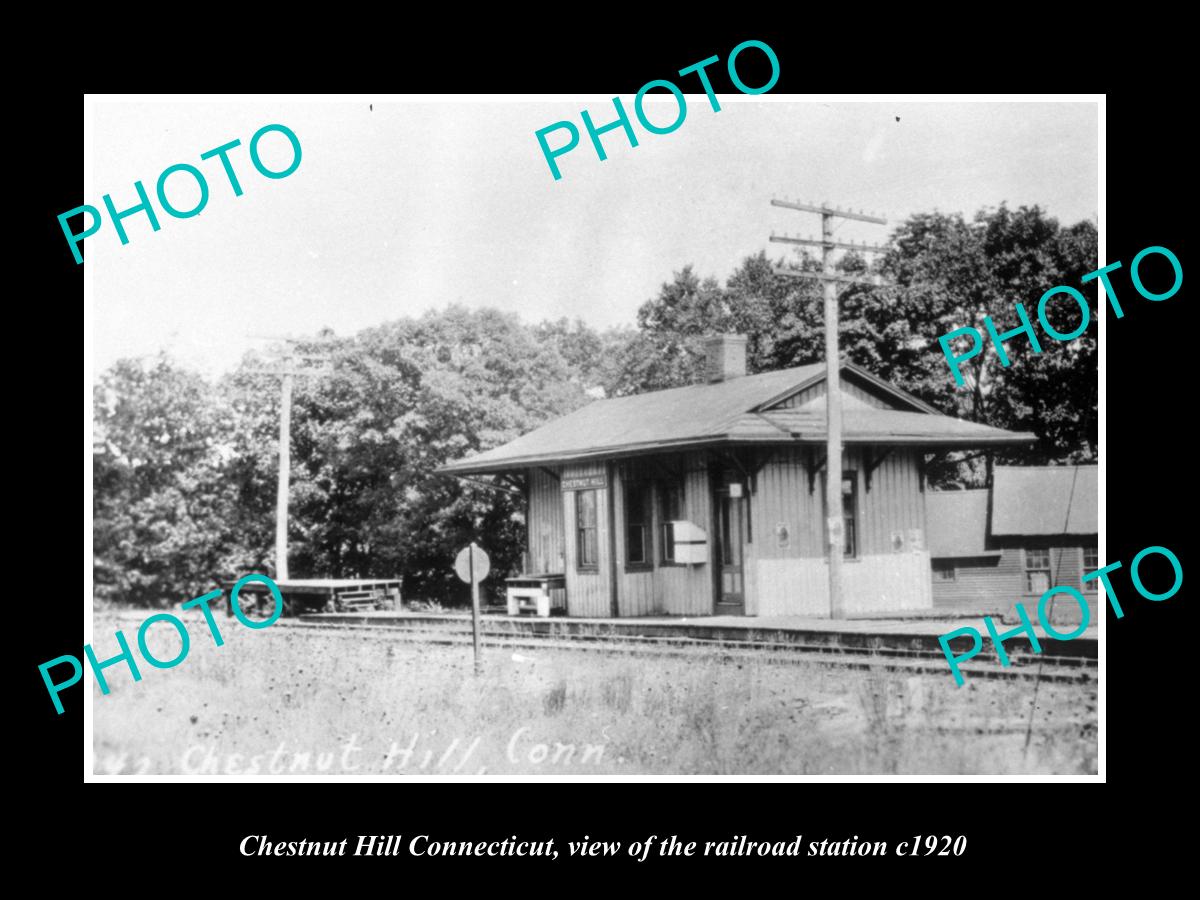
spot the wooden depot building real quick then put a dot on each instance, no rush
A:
(709, 499)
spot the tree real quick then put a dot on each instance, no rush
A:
(782, 317)
(943, 273)
(581, 347)
(668, 348)
(158, 494)
(185, 483)
(950, 274)
(189, 499)
(403, 399)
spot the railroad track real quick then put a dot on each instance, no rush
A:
(894, 659)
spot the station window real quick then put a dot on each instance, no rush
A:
(943, 570)
(670, 498)
(586, 544)
(850, 512)
(637, 524)
(1037, 570)
(1091, 562)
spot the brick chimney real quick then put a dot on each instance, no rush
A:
(725, 357)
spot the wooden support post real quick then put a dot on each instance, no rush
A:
(474, 604)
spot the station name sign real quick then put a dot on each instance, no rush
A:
(585, 483)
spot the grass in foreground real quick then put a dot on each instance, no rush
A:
(281, 701)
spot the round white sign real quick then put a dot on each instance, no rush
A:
(467, 556)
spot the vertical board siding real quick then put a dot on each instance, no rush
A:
(689, 589)
(860, 393)
(659, 589)
(892, 570)
(801, 398)
(685, 590)
(547, 534)
(894, 508)
(853, 396)
(587, 592)
(635, 589)
(781, 498)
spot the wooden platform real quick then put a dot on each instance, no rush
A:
(905, 635)
(344, 594)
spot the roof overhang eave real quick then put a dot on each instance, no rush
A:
(953, 442)
(468, 467)
(937, 442)
(967, 554)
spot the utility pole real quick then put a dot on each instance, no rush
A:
(830, 280)
(290, 364)
(285, 475)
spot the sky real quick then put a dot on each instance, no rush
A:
(402, 205)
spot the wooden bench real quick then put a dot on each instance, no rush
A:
(536, 594)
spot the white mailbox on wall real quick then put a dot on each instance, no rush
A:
(691, 543)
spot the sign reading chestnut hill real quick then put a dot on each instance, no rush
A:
(585, 483)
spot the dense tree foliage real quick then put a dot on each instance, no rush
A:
(158, 493)
(186, 470)
(185, 491)
(942, 273)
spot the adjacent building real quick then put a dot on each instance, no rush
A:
(1037, 527)
(709, 499)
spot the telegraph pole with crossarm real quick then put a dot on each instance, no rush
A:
(290, 364)
(833, 396)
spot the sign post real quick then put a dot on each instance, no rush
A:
(472, 566)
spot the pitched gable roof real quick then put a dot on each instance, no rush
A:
(895, 396)
(658, 418)
(727, 412)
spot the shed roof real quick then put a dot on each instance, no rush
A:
(1026, 501)
(1045, 500)
(736, 411)
(956, 523)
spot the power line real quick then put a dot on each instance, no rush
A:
(289, 364)
(1057, 575)
(833, 392)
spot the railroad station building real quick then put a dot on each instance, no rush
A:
(709, 499)
(1037, 527)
